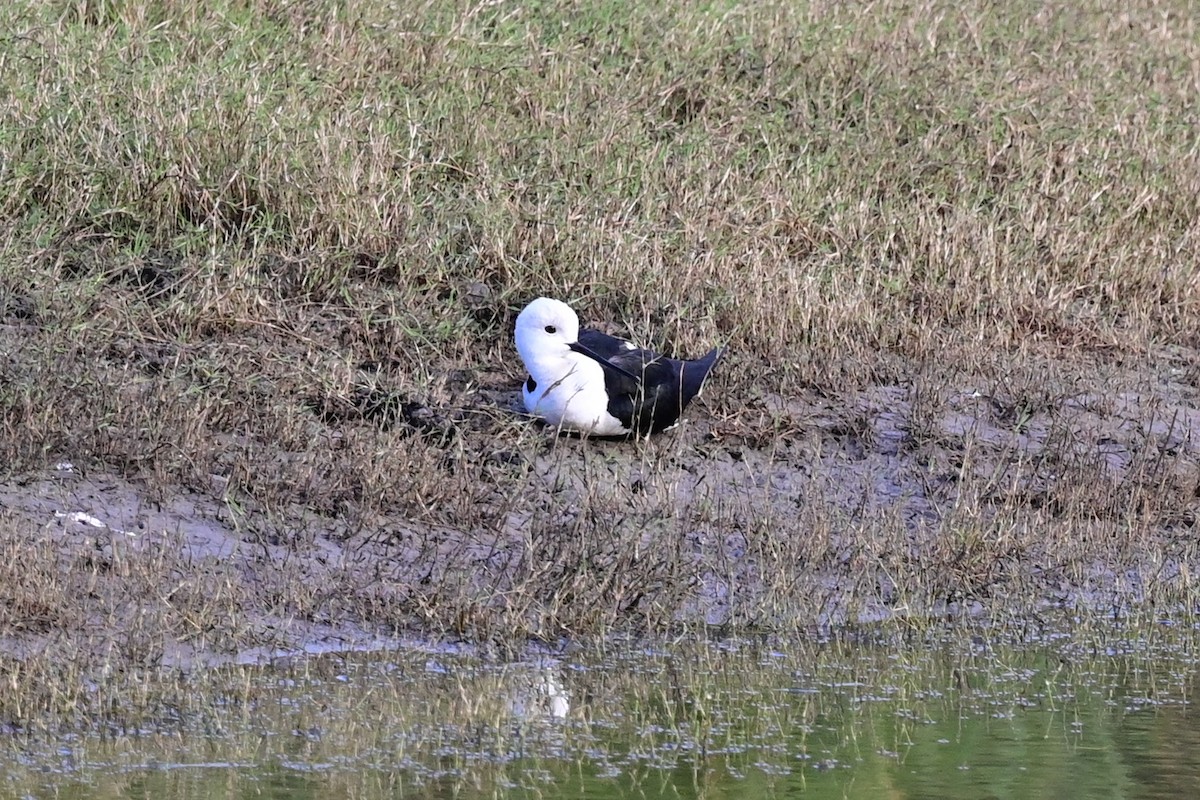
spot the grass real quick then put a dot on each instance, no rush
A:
(277, 249)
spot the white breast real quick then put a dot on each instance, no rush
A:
(570, 395)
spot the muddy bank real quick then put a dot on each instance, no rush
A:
(894, 502)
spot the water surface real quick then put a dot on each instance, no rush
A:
(1105, 715)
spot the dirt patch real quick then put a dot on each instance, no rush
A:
(893, 502)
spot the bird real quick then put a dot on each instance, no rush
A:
(590, 383)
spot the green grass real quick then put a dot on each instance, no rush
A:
(798, 182)
(241, 239)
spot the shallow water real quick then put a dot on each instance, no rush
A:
(952, 715)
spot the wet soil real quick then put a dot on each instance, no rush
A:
(850, 494)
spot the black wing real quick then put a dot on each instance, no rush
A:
(647, 392)
(604, 345)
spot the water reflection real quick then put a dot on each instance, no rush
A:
(702, 719)
(536, 690)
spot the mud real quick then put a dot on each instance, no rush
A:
(848, 493)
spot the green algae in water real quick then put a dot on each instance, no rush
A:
(838, 718)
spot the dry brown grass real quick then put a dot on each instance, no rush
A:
(278, 249)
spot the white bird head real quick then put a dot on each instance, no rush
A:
(546, 329)
(567, 384)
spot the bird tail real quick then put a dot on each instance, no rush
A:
(694, 373)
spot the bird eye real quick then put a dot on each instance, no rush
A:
(551, 329)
